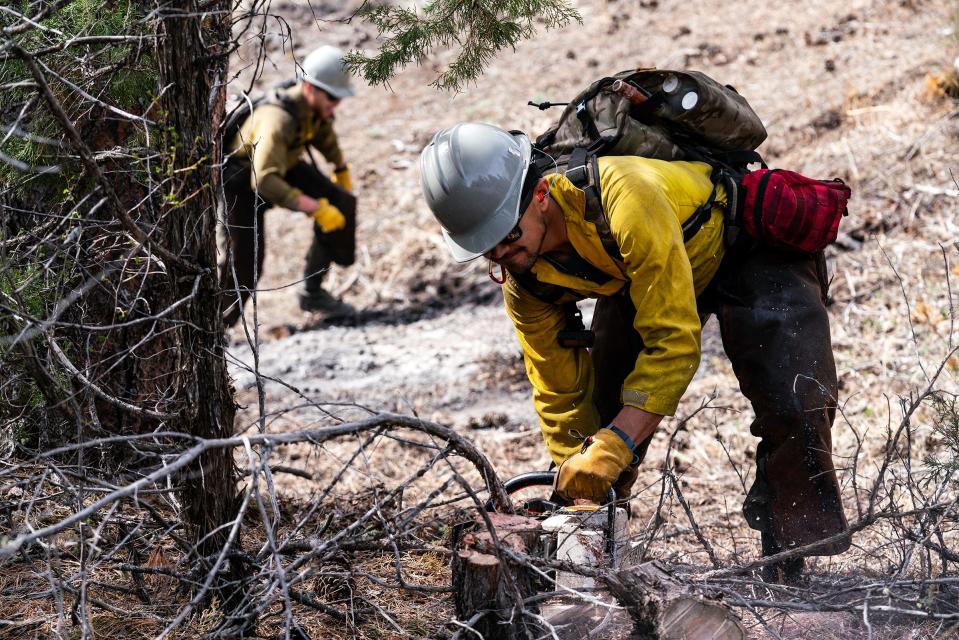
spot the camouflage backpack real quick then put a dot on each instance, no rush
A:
(654, 113)
(660, 114)
(237, 113)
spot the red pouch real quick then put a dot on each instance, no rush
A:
(786, 210)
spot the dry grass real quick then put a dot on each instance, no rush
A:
(882, 119)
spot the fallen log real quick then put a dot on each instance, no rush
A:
(668, 608)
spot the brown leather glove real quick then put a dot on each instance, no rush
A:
(590, 474)
(328, 216)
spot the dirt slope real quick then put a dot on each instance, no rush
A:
(843, 89)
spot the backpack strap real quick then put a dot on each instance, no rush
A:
(736, 162)
(576, 169)
(733, 218)
(275, 96)
(583, 171)
(575, 335)
(699, 217)
(551, 293)
(586, 120)
(575, 265)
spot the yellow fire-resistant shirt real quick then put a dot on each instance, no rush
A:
(646, 202)
(272, 141)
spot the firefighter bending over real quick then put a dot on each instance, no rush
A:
(267, 168)
(491, 201)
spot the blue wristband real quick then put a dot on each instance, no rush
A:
(629, 442)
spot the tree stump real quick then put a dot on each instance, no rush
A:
(488, 593)
(488, 590)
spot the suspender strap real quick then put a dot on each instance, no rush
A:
(695, 222)
(583, 171)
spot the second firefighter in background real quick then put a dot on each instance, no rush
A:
(267, 168)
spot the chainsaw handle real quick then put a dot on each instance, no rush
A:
(544, 479)
(547, 479)
(540, 479)
(527, 480)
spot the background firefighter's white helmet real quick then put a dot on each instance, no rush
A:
(323, 68)
(472, 177)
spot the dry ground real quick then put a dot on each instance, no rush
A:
(844, 89)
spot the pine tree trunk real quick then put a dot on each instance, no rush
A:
(191, 56)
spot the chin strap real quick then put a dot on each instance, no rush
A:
(502, 274)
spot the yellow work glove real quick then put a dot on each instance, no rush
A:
(343, 178)
(328, 217)
(590, 474)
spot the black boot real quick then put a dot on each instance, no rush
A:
(321, 301)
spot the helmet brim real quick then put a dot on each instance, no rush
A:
(473, 245)
(461, 254)
(337, 92)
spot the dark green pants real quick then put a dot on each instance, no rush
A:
(244, 221)
(775, 331)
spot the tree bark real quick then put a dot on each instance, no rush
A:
(488, 588)
(663, 607)
(191, 57)
(482, 582)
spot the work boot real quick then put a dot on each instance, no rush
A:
(321, 301)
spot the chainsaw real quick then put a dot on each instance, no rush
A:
(589, 516)
(587, 535)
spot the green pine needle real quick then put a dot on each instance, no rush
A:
(478, 29)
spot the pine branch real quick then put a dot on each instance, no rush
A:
(479, 30)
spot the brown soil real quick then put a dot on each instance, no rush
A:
(846, 89)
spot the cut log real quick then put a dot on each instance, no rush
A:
(666, 608)
(488, 593)
(580, 538)
(488, 590)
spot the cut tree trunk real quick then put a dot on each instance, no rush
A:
(665, 607)
(489, 590)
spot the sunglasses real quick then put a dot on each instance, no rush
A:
(513, 235)
(517, 232)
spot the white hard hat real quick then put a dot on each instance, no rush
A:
(472, 177)
(323, 68)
